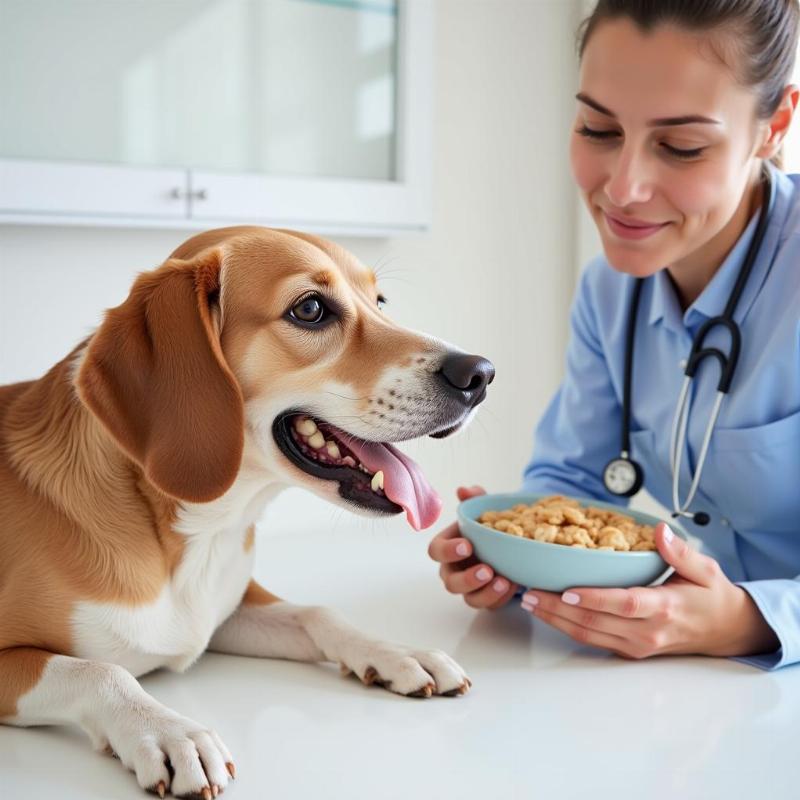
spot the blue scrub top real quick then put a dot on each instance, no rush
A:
(750, 483)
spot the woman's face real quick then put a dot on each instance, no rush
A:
(663, 147)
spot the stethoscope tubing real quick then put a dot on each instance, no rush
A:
(680, 422)
(727, 363)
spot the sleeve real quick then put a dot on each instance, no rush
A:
(779, 603)
(580, 430)
(778, 600)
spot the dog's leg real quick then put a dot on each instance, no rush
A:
(40, 688)
(268, 627)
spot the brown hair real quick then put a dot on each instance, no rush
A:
(764, 34)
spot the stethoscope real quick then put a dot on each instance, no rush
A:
(622, 475)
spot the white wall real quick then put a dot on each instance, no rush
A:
(495, 275)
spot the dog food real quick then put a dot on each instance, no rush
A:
(561, 520)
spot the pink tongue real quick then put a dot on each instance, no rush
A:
(403, 481)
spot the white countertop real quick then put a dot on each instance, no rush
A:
(545, 718)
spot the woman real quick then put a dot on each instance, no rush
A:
(682, 106)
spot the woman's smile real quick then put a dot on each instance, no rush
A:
(630, 228)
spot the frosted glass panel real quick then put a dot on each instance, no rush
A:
(286, 87)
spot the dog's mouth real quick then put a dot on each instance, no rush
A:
(372, 475)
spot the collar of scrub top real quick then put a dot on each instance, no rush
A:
(664, 302)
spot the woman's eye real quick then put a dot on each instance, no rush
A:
(310, 309)
(381, 301)
(676, 152)
(680, 152)
(592, 133)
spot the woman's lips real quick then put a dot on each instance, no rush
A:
(632, 229)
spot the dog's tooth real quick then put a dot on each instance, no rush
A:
(316, 440)
(306, 426)
(333, 449)
(348, 461)
(377, 481)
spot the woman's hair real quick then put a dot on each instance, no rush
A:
(762, 35)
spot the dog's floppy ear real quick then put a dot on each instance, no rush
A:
(155, 375)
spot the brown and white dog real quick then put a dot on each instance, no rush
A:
(132, 473)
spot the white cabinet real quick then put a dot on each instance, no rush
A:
(64, 192)
(194, 113)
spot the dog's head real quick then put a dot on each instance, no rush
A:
(275, 339)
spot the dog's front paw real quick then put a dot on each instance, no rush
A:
(167, 752)
(413, 673)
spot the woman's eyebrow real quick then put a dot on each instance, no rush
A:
(688, 119)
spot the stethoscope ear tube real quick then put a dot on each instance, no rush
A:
(727, 364)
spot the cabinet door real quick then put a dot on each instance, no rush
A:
(68, 193)
(341, 121)
(313, 113)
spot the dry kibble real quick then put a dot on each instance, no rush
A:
(508, 527)
(631, 535)
(573, 515)
(572, 534)
(545, 533)
(554, 516)
(562, 520)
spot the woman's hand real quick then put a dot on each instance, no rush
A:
(461, 572)
(698, 610)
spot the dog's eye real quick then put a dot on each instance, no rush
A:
(310, 310)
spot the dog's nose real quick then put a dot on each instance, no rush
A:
(467, 376)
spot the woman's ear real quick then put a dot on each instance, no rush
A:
(777, 126)
(154, 374)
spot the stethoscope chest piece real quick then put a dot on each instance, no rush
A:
(622, 476)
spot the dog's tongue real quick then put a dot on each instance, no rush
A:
(403, 481)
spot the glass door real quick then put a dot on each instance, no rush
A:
(285, 111)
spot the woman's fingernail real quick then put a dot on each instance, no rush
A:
(462, 549)
(570, 598)
(668, 534)
(483, 574)
(530, 599)
(500, 585)
(527, 607)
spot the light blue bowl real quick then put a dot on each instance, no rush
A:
(555, 567)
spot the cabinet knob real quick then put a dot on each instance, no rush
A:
(176, 193)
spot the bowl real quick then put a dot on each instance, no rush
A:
(556, 567)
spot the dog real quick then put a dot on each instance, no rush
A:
(133, 472)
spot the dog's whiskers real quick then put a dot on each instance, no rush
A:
(360, 418)
(380, 268)
(344, 396)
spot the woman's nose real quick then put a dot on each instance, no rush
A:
(628, 182)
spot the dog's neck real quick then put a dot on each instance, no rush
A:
(241, 505)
